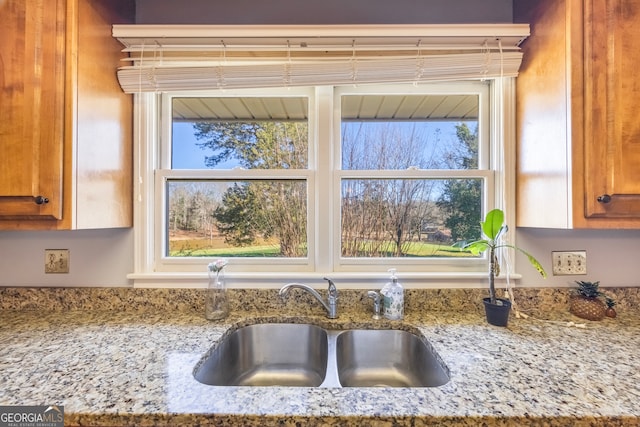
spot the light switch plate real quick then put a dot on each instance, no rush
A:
(566, 263)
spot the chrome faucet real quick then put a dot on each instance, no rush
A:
(332, 296)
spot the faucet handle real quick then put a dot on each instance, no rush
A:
(331, 290)
(332, 299)
(376, 304)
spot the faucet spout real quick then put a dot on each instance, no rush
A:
(331, 306)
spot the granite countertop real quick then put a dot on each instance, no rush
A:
(134, 367)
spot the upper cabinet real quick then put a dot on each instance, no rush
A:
(577, 106)
(612, 109)
(66, 126)
(32, 73)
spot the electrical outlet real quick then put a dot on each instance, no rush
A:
(569, 263)
(56, 261)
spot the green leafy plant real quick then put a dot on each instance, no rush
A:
(588, 289)
(493, 229)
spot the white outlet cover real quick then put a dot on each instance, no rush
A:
(569, 263)
(56, 261)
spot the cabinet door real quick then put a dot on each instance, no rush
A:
(612, 109)
(32, 73)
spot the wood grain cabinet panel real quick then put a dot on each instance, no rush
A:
(32, 49)
(612, 108)
(578, 103)
(65, 125)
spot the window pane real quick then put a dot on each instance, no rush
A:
(251, 133)
(409, 217)
(396, 132)
(248, 218)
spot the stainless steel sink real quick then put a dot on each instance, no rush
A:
(284, 354)
(387, 358)
(270, 354)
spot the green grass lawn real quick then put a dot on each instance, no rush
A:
(206, 248)
(246, 252)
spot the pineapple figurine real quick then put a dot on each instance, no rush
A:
(610, 312)
(586, 303)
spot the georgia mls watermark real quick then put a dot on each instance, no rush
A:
(32, 416)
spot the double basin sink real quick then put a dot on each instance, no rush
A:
(305, 355)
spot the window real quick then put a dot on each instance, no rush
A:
(345, 181)
(251, 201)
(414, 175)
(408, 132)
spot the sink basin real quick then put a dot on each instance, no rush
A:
(304, 355)
(271, 354)
(387, 358)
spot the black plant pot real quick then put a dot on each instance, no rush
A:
(497, 314)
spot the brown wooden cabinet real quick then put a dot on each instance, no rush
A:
(577, 107)
(65, 125)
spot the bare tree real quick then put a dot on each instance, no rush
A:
(379, 216)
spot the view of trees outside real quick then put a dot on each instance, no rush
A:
(243, 218)
(407, 217)
(460, 200)
(390, 217)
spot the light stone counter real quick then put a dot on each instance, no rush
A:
(134, 367)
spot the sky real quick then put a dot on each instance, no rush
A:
(187, 155)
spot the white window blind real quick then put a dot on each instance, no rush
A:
(173, 58)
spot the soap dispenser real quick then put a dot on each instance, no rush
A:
(393, 298)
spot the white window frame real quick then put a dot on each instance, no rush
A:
(152, 271)
(484, 171)
(164, 263)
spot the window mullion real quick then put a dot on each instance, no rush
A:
(324, 216)
(414, 174)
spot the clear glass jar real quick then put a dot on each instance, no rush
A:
(216, 303)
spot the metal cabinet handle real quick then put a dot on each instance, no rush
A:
(41, 200)
(605, 198)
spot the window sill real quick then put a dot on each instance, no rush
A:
(342, 280)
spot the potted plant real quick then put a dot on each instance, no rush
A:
(493, 230)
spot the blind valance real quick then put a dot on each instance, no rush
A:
(174, 58)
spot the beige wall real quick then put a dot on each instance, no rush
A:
(612, 255)
(97, 257)
(105, 257)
